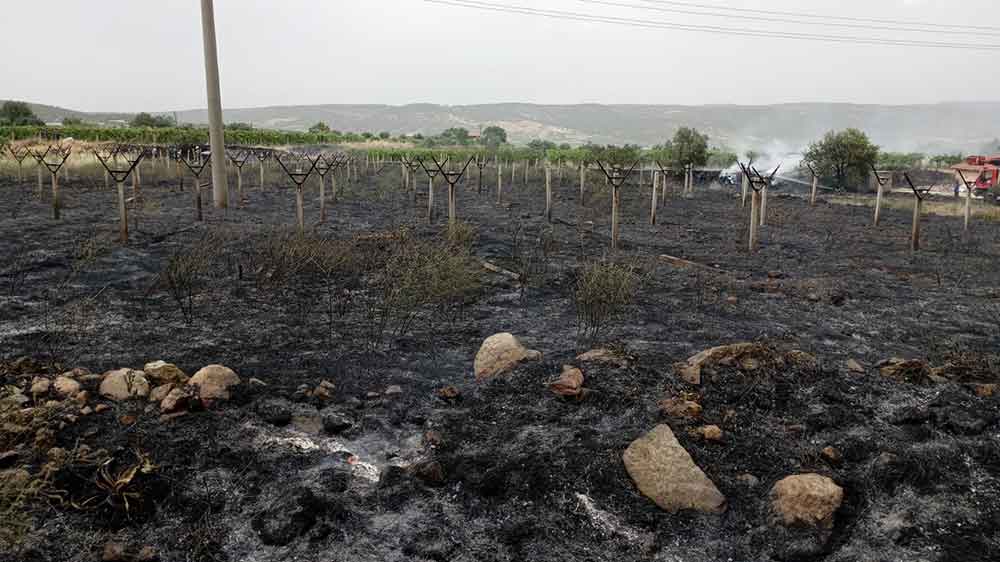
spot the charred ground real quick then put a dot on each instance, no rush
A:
(506, 470)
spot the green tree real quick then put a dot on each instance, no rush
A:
(72, 122)
(18, 113)
(384, 135)
(239, 126)
(155, 121)
(845, 156)
(455, 136)
(493, 136)
(320, 127)
(688, 147)
(899, 160)
(946, 160)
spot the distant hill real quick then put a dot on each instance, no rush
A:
(786, 127)
(53, 114)
(931, 128)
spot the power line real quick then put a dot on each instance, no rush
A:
(730, 13)
(826, 17)
(713, 29)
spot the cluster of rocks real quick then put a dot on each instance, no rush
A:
(159, 382)
(802, 506)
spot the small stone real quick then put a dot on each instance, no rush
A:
(40, 385)
(328, 385)
(275, 411)
(501, 353)
(569, 383)
(214, 383)
(808, 500)
(86, 411)
(127, 419)
(855, 367)
(147, 554)
(732, 300)
(371, 395)
(748, 480)
(161, 372)
(449, 393)
(66, 386)
(101, 408)
(83, 397)
(832, 454)
(256, 382)
(813, 297)
(680, 408)
(170, 417)
(984, 390)
(20, 399)
(433, 439)
(394, 390)
(709, 432)
(429, 472)
(602, 355)
(335, 423)
(160, 392)
(175, 400)
(123, 384)
(113, 552)
(321, 393)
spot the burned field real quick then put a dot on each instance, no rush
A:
(368, 424)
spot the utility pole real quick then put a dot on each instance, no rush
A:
(220, 187)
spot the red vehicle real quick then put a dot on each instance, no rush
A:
(981, 172)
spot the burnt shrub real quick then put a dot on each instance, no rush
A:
(602, 293)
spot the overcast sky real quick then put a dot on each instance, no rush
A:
(143, 55)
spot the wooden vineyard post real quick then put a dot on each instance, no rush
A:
(616, 177)
(548, 195)
(653, 201)
(918, 205)
(39, 163)
(53, 168)
(481, 162)
(746, 187)
(261, 156)
(499, 182)
(763, 205)
(880, 182)
(239, 159)
(656, 185)
(322, 169)
(758, 184)
(431, 174)
(452, 179)
(527, 165)
(615, 206)
(967, 213)
(299, 178)
(583, 180)
(815, 186)
(19, 155)
(196, 167)
(120, 175)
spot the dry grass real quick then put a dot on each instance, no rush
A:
(933, 206)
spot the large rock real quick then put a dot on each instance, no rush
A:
(807, 500)
(501, 353)
(569, 383)
(665, 473)
(161, 372)
(214, 383)
(123, 384)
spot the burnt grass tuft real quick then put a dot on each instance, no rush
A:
(376, 297)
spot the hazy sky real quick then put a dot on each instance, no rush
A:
(135, 55)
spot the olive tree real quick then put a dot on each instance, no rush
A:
(844, 156)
